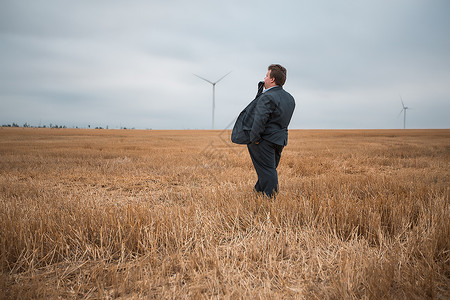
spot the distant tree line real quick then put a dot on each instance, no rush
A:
(26, 125)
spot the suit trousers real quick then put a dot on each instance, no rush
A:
(266, 157)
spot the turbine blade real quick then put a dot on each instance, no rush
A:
(204, 79)
(401, 99)
(400, 113)
(222, 77)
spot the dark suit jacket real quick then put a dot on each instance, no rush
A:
(267, 117)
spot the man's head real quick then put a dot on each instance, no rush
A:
(276, 75)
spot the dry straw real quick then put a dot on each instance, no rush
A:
(171, 215)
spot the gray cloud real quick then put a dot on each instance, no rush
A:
(110, 63)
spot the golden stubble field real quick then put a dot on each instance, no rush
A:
(103, 214)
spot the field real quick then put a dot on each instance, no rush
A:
(103, 214)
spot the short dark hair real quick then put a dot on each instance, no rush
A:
(278, 72)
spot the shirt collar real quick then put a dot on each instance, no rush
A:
(270, 88)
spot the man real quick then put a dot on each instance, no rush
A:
(262, 125)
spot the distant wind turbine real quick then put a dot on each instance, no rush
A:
(214, 93)
(404, 112)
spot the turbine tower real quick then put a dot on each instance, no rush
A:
(404, 112)
(214, 93)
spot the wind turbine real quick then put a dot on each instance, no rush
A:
(404, 112)
(214, 93)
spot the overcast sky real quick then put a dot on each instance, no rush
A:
(131, 63)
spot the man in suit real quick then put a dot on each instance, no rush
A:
(262, 125)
